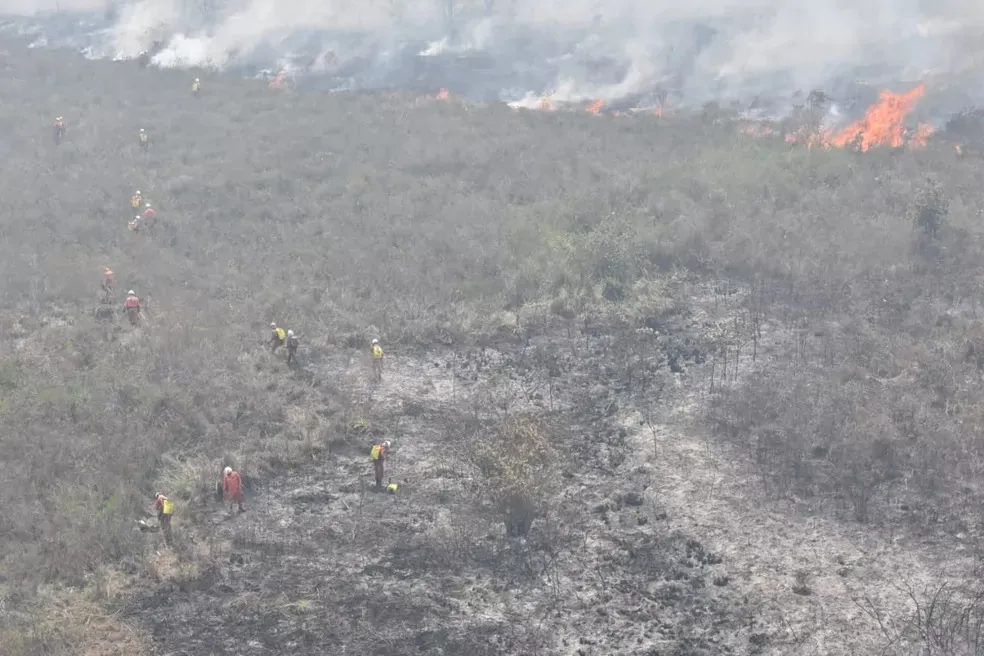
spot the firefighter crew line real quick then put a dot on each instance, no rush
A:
(231, 485)
(232, 489)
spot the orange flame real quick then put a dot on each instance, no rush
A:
(958, 148)
(758, 129)
(443, 94)
(921, 135)
(811, 136)
(595, 107)
(883, 123)
(546, 105)
(659, 111)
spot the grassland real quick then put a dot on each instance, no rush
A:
(655, 386)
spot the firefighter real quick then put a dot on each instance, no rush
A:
(378, 456)
(135, 200)
(108, 285)
(135, 224)
(59, 127)
(377, 360)
(278, 337)
(149, 216)
(132, 308)
(232, 487)
(292, 343)
(196, 87)
(144, 139)
(165, 509)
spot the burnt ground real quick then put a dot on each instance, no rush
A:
(417, 573)
(657, 539)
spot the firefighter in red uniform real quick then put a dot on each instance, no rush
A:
(232, 487)
(132, 307)
(108, 285)
(149, 216)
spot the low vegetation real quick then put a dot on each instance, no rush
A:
(545, 276)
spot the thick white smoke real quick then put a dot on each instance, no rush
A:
(573, 50)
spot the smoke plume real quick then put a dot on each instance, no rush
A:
(618, 51)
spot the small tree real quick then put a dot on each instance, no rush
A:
(515, 462)
(930, 211)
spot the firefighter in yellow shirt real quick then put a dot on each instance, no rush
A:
(377, 360)
(164, 508)
(136, 199)
(196, 87)
(378, 455)
(278, 337)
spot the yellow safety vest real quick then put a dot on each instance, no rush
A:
(377, 451)
(377, 351)
(167, 506)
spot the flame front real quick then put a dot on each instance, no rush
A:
(884, 123)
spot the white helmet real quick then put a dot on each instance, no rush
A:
(148, 205)
(386, 444)
(141, 129)
(138, 192)
(196, 79)
(273, 324)
(130, 293)
(290, 333)
(227, 470)
(375, 341)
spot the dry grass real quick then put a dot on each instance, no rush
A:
(73, 622)
(441, 227)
